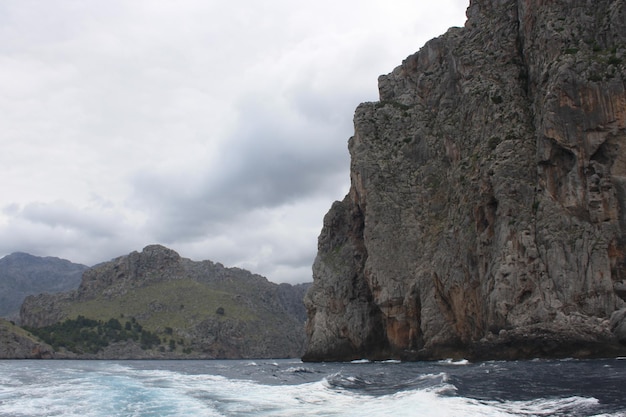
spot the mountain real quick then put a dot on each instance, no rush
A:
(22, 274)
(156, 304)
(486, 217)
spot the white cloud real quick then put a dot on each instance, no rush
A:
(218, 129)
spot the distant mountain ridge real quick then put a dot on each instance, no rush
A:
(186, 309)
(22, 274)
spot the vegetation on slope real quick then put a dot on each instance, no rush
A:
(83, 335)
(175, 304)
(165, 316)
(194, 310)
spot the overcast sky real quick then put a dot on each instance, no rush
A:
(218, 129)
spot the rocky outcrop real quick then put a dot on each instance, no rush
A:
(15, 343)
(487, 210)
(22, 275)
(197, 309)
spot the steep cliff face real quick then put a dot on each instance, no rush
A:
(487, 209)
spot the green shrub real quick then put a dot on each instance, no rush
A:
(83, 335)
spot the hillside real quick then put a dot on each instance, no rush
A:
(22, 275)
(195, 309)
(16, 343)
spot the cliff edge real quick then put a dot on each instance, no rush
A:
(487, 211)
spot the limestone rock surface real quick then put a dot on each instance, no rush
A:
(487, 210)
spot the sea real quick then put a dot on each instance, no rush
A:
(293, 388)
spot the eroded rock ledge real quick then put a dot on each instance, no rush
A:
(487, 211)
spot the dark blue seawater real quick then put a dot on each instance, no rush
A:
(293, 388)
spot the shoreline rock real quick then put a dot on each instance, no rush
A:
(16, 343)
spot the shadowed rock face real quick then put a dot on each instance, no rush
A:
(22, 274)
(487, 211)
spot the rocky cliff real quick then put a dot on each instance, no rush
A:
(195, 309)
(22, 274)
(16, 343)
(487, 211)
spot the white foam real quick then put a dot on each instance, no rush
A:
(96, 390)
(83, 392)
(454, 362)
(544, 407)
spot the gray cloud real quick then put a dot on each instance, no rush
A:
(218, 129)
(275, 156)
(63, 216)
(63, 230)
